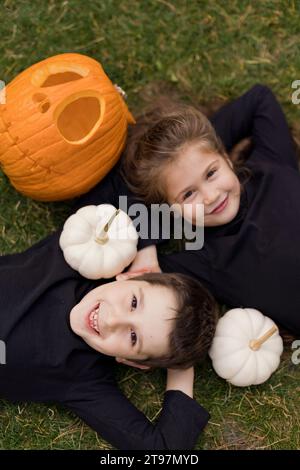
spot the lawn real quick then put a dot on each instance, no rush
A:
(204, 52)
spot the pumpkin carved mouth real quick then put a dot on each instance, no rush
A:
(79, 118)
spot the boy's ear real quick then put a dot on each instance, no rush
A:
(132, 363)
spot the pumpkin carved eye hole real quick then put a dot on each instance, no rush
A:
(43, 100)
(38, 97)
(60, 78)
(58, 74)
(43, 107)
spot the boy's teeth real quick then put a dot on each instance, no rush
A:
(94, 319)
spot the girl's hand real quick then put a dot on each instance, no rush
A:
(146, 259)
(145, 262)
(182, 380)
(130, 274)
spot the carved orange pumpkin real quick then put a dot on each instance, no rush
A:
(63, 127)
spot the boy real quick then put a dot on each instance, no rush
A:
(50, 316)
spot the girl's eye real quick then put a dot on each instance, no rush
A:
(133, 337)
(211, 173)
(187, 194)
(134, 303)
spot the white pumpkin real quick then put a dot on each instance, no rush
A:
(246, 348)
(99, 241)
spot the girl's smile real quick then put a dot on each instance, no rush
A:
(220, 207)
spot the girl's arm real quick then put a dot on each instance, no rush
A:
(108, 191)
(190, 262)
(257, 114)
(118, 421)
(146, 260)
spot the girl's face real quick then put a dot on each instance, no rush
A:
(198, 176)
(126, 319)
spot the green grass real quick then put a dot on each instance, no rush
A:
(204, 51)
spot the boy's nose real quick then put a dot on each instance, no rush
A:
(112, 319)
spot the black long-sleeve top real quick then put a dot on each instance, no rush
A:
(253, 261)
(46, 361)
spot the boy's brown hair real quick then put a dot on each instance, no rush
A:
(194, 320)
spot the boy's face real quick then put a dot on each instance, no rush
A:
(126, 319)
(201, 177)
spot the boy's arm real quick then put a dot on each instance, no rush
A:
(119, 422)
(257, 114)
(183, 380)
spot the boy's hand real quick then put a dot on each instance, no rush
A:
(145, 262)
(182, 380)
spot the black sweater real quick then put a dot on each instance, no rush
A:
(253, 261)
(46, 361)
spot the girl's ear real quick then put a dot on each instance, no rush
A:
(132, 363)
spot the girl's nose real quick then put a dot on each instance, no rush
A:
(209, 198)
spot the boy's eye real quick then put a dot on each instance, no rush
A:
(133, 337)
(187, 194)
(133, 302)
(211, 173)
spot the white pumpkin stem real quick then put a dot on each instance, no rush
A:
(102, 237)
(255, 344)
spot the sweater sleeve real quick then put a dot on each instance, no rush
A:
(193, 263)
(119, 422)
(113, 190)
(257, 114)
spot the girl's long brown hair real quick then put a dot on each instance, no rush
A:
(159, 135)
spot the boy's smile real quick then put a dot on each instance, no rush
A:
(201, 177)
(93, 318)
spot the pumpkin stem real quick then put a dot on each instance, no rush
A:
(255, 344)
(102, 237)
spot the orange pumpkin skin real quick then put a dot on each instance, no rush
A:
(62, 129)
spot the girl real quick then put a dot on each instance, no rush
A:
(251, 253)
